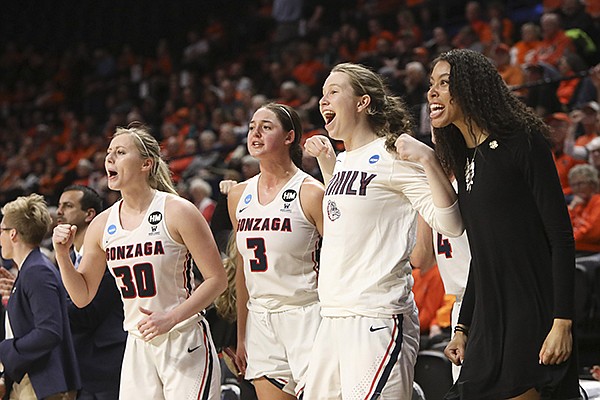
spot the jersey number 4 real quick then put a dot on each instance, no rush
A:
(444, 246)
(137, 280)
(259, 262)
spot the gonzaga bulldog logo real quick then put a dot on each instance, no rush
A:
(333, 212)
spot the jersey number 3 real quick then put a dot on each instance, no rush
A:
(259, 262)
(137, 280)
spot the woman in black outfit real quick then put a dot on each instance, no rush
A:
(514, 337)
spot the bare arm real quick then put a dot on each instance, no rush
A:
(423, 255)
(82, 283)
(311, 199)
(240, 283)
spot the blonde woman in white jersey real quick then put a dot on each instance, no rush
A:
(277, 218)
(367, 343)
(149, 239)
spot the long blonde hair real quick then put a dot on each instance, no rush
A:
(147, 145)
(226, 302)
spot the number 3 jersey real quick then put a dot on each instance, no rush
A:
(151, 269)
(279, 248)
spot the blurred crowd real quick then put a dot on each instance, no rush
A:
(59, 107)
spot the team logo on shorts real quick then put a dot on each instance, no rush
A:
(374, 158)
(289, 195)
(112, 229)
(155, 217)
(333, 212)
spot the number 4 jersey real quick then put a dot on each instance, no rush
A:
(151, 269)
(279, 248)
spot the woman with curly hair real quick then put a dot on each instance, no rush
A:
(514, 337)
(367, 342)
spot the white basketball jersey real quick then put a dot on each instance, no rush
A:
(151, 269)
(453, 257)
(369, 230)
(279, 248)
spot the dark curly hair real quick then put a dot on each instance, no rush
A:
(387, 114)
(486, 102)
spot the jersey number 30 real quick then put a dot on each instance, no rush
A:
(259, 262)
(137, 280)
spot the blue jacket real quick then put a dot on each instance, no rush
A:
(42, 346)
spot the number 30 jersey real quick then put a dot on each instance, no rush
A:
(279, 248)
(151, 269)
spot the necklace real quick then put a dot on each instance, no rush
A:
(470, 170)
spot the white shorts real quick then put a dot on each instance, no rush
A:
(278, 346)
(362, 358)
(179, 365)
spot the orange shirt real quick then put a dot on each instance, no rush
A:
(523, 49)
(443, 316)
(553, 49)
(370, 45)
(512, 75)
(566, 89)
(564, 163)
(586, 225)
(429, 295)
(585, 139)
(483, 31)
(308, 72)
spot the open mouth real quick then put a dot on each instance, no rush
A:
(328, 116)
(435, 110)
(111, 174)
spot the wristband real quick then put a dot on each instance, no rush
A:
(462, 329)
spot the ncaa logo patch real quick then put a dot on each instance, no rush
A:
(155, 217)
(374, 158)
(247, 199)
(111, 229)
(289, 195)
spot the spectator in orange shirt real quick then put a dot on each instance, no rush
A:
(555, 42)
(501, 26)
(524, 50)
(369, 46)
(587, 115)
(288, 94)
(559, 124)
(441, 325)
(428, 290)
(584, 209)
(511, 74)
(474, 17)
(569, 64)
(309, 70)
